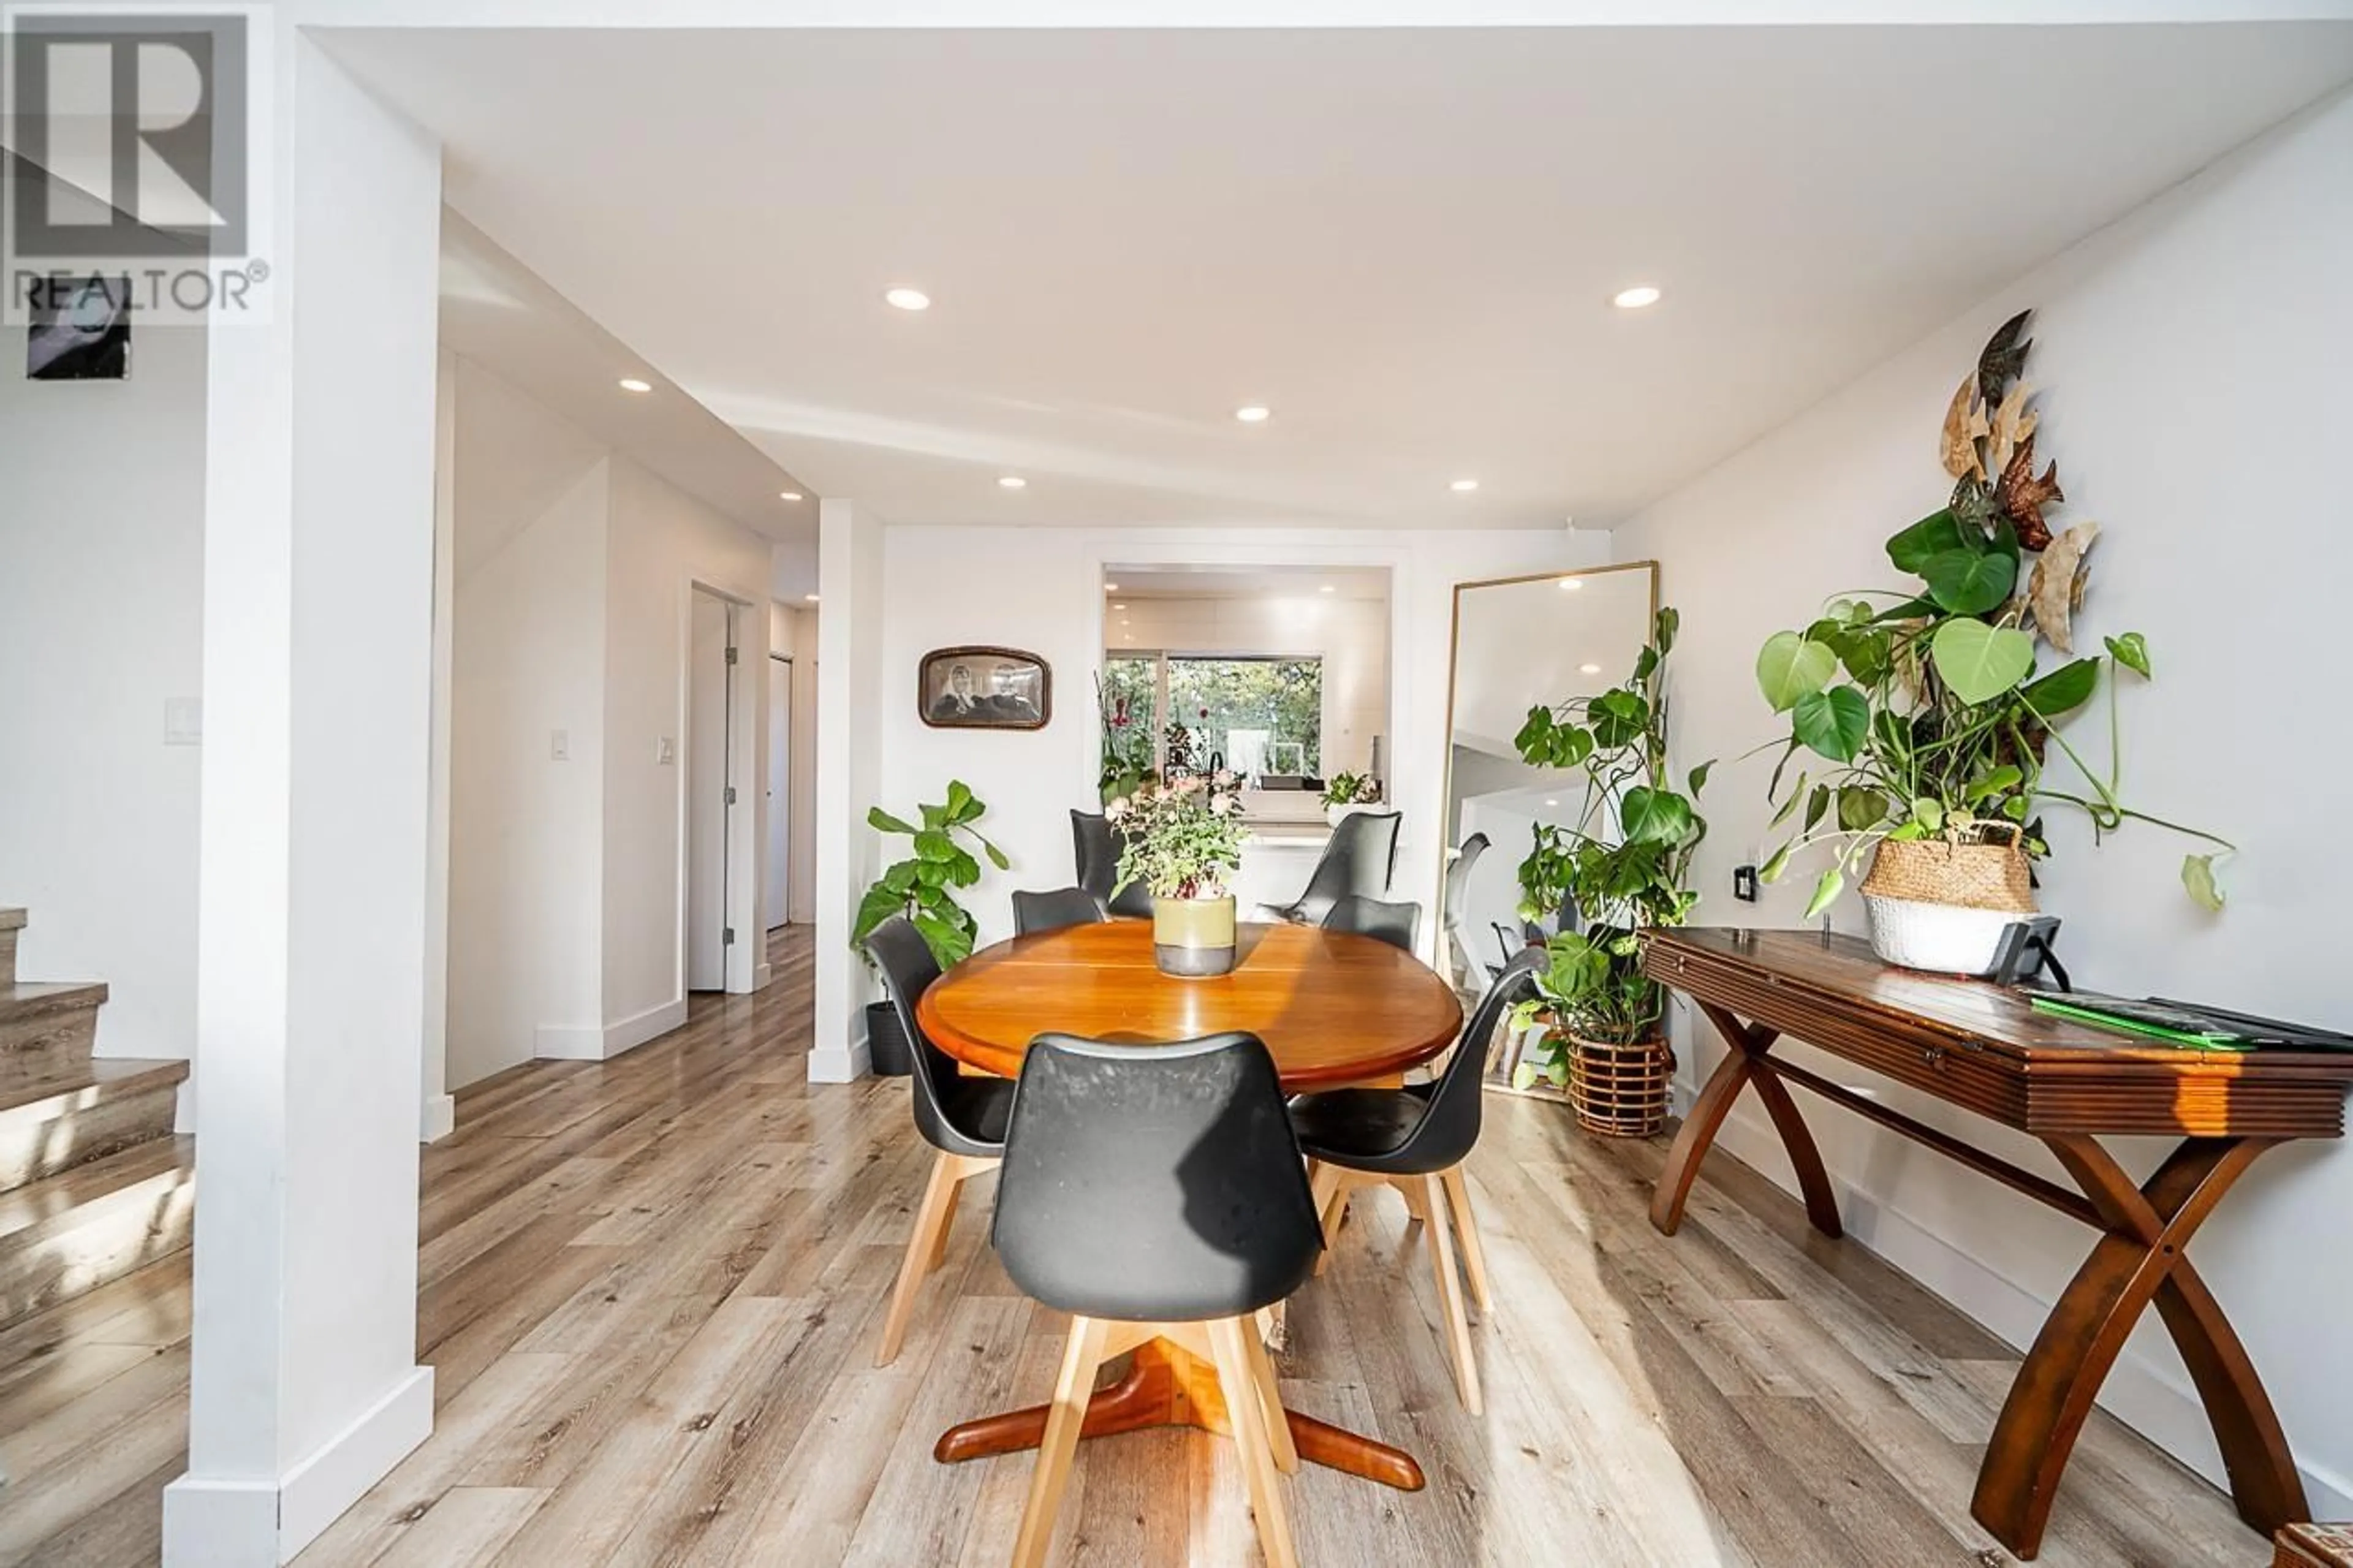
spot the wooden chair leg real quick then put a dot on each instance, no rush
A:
(939, 1252)
(1270, 1389)
(1449, 1294)
(1414, 1191)
(948, 1173)
(1245, 1411)
(1466, 1231)
(1064, 1417)
(1328, 1188)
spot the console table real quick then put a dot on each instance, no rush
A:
(1980, 1047)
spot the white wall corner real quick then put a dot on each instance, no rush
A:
(439, 1118)
(597, 1042)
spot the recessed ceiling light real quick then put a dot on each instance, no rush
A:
(1111, 587)
(1637, 298)
(1571, 585)
(631, 384)
(1464, 485)
(907, 299)
(788, 495)
(1552, 802)
(1328, 588)
(1252, 413)
(811, 597)
(1589, 670)
(1012, 481)
(1119, 606)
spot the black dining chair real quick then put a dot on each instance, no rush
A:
(1358, 860)
(1416, 1138)
(1397, 924)
(1156, 1192)
(963, 1119)
(1096, 844)
(1052, 912)
(1454, 913)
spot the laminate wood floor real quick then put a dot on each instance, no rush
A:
(651, 1289)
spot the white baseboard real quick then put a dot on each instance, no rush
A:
(210, 1523)
(2153, 1399)
(763, 975)
(438, 1120)
(846, 1064)
(588, 1043)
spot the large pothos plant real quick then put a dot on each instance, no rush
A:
(1937, 711)
(923, 887)
(1622, 862)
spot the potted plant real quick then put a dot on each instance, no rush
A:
(1622, 863)
(923, 887)
(1182, 840)
(1349, 792)
(1126, 744)
(1936, 714)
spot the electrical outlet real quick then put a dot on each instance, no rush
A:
(1743, 883)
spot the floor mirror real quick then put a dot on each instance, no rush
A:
(1520, 642)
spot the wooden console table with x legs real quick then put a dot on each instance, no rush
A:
(1981, 1047)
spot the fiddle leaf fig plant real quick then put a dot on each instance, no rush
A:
(923, 887)
(1935, 714)
(1623, 864)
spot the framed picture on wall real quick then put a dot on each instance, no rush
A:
(980, 688)
(81, 330)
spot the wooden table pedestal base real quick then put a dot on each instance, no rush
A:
(1166, 1385)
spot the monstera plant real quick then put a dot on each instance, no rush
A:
(1931, 712)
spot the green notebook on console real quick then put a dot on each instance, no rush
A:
(2185, 1024)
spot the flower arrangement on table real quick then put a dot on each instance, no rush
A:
(1181, 838)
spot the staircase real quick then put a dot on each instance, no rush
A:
(92, 1183)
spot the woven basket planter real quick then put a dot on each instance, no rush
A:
(1939, 906)
(1620, 1091)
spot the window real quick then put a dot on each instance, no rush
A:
(1252, 715)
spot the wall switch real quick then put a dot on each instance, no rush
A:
(184, 721)
(1743, 883)
(559, 745)
(665, 751)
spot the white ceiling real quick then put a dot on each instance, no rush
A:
(498, 314)
(1404, 241)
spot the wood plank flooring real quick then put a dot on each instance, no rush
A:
(651, 1289)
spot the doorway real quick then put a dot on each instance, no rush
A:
(709, 797)
(778, 861)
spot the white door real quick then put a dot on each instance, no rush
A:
(780, 790)
(710, 671)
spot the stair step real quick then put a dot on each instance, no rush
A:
(58, 1120)
(11, 923)
(95, 1223)
(47, 1028)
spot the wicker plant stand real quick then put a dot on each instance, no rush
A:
(1620, 1091)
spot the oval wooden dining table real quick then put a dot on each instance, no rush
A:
(1333, 1008)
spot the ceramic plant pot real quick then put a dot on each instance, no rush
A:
(1193, 938)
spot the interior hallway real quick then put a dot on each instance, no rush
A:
(651, 1288)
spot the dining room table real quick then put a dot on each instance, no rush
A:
(1335, 1009)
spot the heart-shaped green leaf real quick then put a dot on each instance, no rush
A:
(2066, 688)
(1817, 805)
(1930, 813)
(1979, 662)
(1931, 536)
(1826, 892)
(1788, 666)
(1860, 807)
(1966, 583)
(1779, 863)
(1653, 816)
(2131, 651)
(1833, 723)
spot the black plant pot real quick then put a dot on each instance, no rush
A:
(888, 1049)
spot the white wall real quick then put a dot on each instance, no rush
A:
(575, 567)
(793, 631)
(2194, 363)
(102, 597)
(1351, 637)
(1041, 589)
(528, 659)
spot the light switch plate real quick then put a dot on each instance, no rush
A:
(184, 721)
(559, 745)
(665, 752)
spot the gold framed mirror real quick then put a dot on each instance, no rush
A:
(1518, 643)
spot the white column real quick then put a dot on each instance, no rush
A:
(439, 1117)
(318, 657)
(849, 771)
